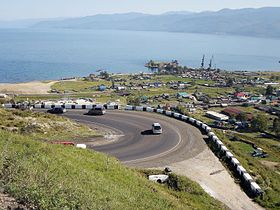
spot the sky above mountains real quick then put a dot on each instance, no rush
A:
(29, 9)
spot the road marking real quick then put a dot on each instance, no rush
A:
(157, 155)
(99, 124)
(146, 158)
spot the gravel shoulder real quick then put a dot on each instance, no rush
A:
(207, 170)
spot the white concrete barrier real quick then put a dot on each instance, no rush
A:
(211, 134)
(208, 129)
(177, 115)
(139, 108)
(203, 126)
(229, 155)
(78, 106)
(129, 107)
(38, 106)
(68, 106)
(168, 113)
(224, 148)
(48, 106)
(198, 123)
(219, 143)
(160, 111)
(234, 161)
(241, 170)
(215, 138)
(184, 117)
(8, 105)
(149, 109)
(191, 120)
(255, 188)
(89, 106)
(247, 177)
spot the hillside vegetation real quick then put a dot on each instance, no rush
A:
(43, 126)
(49, 176)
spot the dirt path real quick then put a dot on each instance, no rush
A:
(207, 170)
(7, 202)
(35, 87)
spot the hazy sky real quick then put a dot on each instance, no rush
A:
(22, 9)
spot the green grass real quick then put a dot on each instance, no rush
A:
(48, 176)
(78, 86)
(43, 126)
(170, 78)
(212, 92)
(266, 175)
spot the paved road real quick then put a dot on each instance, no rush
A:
(137, 146)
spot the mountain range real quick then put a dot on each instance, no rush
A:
(264, 22)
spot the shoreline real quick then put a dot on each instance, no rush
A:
(33, 87)
(71, 78)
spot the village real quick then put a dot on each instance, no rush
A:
(241, 107)
(228, 100)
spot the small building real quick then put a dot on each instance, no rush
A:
(240, 95)
(102, 88)
(216, 116)
(183, 95)
(121, 88)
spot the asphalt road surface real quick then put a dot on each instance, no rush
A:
(137, 146)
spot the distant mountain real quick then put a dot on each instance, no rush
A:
(178, 13)
(263, 22)
(25, 23)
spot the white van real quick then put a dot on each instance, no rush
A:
(156, 128)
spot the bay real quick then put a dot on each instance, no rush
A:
(43, 54)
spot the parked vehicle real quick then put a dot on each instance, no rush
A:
(98, 110)
(57, 110)
(156, 128)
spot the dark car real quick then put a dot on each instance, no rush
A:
(97, 111)
(57, 110)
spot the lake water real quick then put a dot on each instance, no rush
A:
(32, 54)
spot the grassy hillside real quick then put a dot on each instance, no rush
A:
(48, 176)
(43, 126)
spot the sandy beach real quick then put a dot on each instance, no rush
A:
(34, 87)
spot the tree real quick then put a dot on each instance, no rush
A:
(276, 126)
(104, 75)
(260, 123)
(269, 90)
(230, 82)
